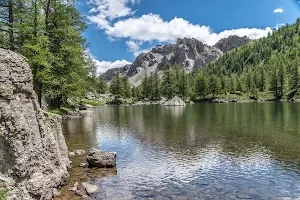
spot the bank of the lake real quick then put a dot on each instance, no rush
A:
(202, 151)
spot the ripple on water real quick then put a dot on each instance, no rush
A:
(194, 155)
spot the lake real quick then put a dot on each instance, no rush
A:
(202, 151)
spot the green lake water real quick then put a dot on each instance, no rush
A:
(202, 151)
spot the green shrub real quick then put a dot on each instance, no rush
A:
(93, 102)
(3, 194)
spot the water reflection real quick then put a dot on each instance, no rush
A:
(225, 151)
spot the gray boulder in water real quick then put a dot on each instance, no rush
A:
(33, 153)
(100, 159)
(175, 101)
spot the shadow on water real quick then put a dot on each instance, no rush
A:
(211, 151)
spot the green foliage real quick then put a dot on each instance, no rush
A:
(169, 82)
(214, 85)
(267, 64)
(117, 86)
(48, 33)
(201, 85)
(3, 194)
(263, 67)
(93, 102)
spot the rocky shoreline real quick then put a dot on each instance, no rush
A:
(86, 166)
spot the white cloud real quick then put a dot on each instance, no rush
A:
(151, 27)
(133, 45)
(278, 10)
(136, 53)
(107, 10)
(103, 66)
(115, 17)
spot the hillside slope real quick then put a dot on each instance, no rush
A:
(267, 64)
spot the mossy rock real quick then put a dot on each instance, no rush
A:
(3, 193)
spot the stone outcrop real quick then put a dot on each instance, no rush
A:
(233, 41)
(175, 101)
(33, 153)
(100, 159)
(188, 53)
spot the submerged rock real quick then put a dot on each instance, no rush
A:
(84, 165)
(80, 190)
(33, 152)
(89, 188)
(74, 188)
(97, 158)
(175, 101)
(79, 152)
(72, 154)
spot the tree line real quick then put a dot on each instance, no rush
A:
(267, 65)
(48, 33)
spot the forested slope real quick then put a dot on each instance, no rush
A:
(266, 68)
(267, 64)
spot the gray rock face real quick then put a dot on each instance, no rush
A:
(175, 101)
(33, 152)
(231, 42)
(188, 53)
(97, 158)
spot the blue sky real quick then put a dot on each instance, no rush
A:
(118, 30)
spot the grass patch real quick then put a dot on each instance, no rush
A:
(93, 102)
(3, 194)
(60, 111)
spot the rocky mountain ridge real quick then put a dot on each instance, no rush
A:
(188, 53)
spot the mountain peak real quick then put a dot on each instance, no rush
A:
(231, 42)
(188, 53)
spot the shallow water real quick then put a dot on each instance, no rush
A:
(203, 151)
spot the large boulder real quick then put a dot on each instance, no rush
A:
(175, 101)
(33, 153)
(100, 159)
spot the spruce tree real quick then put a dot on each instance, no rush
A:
(214, 85)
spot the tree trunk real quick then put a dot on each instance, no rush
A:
(47, 12)
(35, 19)
(11, 25)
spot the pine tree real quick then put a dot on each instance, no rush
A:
(145, 87)
(281, 79)
(102, 85)
(263, 80)
(126, 87)
(183, 84)
(214, 85)
(116, 87)
(133, 92)
(201, 85)
(156, 87)
(232, 84)
(294, 78)
(150, 86)
(240, 84)
(249, 81)
(274, 82)
(168, 82)
(224, 84)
